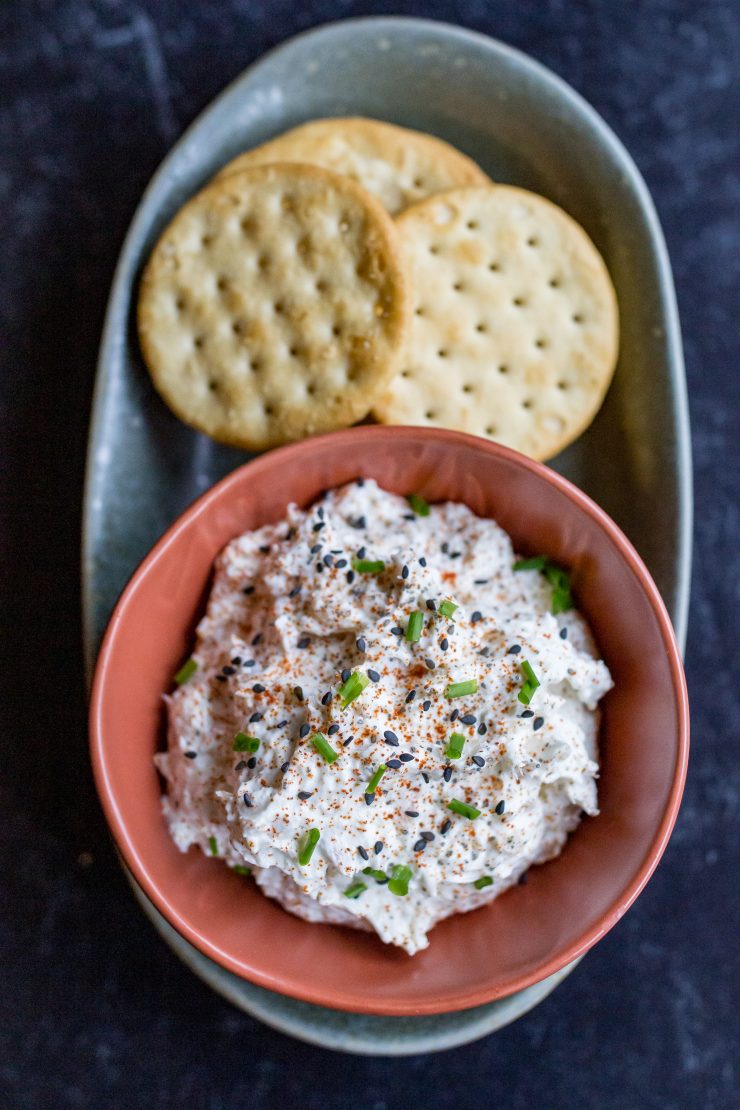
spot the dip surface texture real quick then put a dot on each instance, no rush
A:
(297, 608)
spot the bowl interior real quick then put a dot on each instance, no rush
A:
(531, 930)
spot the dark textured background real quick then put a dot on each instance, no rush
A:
(94, 1010)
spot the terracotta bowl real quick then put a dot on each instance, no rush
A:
(529, 932)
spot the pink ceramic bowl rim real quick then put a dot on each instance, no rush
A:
(348, 439)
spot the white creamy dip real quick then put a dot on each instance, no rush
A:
(287, 615)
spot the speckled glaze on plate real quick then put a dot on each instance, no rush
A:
(525, 126)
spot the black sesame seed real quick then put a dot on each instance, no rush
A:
(316, 548)
(406, 757)
(394, 763)
(411, 813)
(328, 560)
(396, 631)
(252, 763)
(445, 547)
(361, 644)
(391, 738)
(420, 845)
(410, 696)
(320, 512)
(476, 616)
(426, 706)
(446, 826)
(455, 554)
(256, 639)
(447, 774)
(479, 761)
(409, 516)
(481, 582)
(304, 795)
(425, 776)
(237, 660)
(327, 697)
(304, 642)
(284, 766)
(482, 729)
(361, 552)
(340, 563)
(258, 688)
(444, 643)
(563, 636)
(422, 562)
(486, 651)
(346, 673)
(404, 572)
(247, 801)
(378, 847)
(296, 590)
(360, 522)
(228, 670)
(280, 724)
(514, 649)
(527, 713)
(431, 605)
(427, 835)
(191, 755)
(373, 676)
(320, 568)
(248, 590)
(431, 665)
(454, 714)
(369, 799)
(249, 663)
(257, 716)
(469, 719)
(347, 742)
(318, 527)
(501, 807)
(350, 577)
(363, 852)
(537, 723)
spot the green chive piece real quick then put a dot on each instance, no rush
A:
(213, 845)
(537, 562)
(239, 869)
(463, 809)
(448, 609)
(187, 670)
(323, 747)
(399, 880)
(353, 687)
(244, 743)
(455, 746)
(460, 689)
(379, 876)
(414, 627)
(562, 601)
(355, 890)
(310, 841)
(418, 504)
(530, 684)
(484, 881)
(372, 786)
(368, 566)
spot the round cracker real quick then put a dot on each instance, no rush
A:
(514, 335)
(397, 165)
(274, 306)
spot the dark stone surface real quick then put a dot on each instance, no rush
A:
(95, 1011)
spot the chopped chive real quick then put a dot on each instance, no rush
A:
(536, 562)
(368, 566)
(239, 869)
(530, 685)
(414, 627)
(418, 504)
(355, 890)
(353, 687)
(484, 881)
(372, 786)
(463, 809)
(455, 746)
(399, 880)
(213, 845)
(323, 747)
(244, 743)
(374, 873)
(187, 670)
(448, 608)
(310, 841)
(460, 689)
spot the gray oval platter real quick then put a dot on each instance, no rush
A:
(526, 127)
